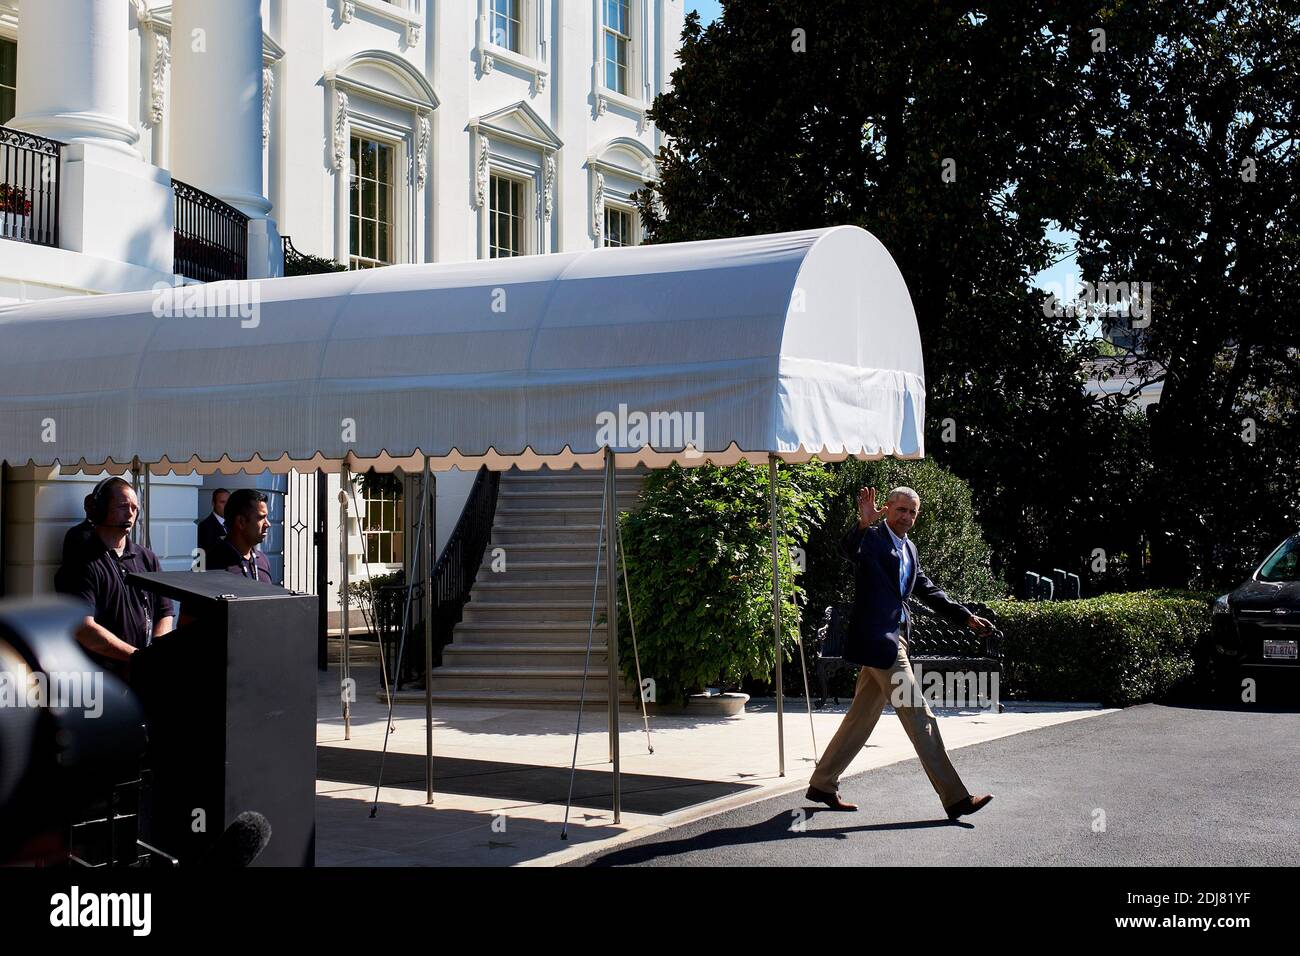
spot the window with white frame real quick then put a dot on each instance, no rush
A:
(619, 227)
(8, 79)
(370, 218)
(513, 33)
(506, 26)
(383, 529)
(617, 41)
(506, 235)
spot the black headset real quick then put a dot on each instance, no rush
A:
(99, 498)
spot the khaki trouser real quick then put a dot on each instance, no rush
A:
(874, 689)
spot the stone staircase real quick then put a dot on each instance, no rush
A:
(523, 638)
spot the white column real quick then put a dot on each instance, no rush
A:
(216, 101)
(73, 72)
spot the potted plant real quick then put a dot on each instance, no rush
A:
(15, 212)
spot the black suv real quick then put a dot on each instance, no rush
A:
(1257, 626)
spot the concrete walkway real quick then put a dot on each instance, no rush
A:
(501, 777)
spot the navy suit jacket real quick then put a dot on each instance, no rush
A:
(210, 533)
(874, 623)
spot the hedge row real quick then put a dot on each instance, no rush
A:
(1119, 649)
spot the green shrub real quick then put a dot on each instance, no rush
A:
(305, 264)
(698, 553)
(1119, 649)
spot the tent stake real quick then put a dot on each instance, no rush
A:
(611, 618)
(776, 617)
(636, 654)
(586, 668)
(416, 563)
(343, 560)
(428, 648)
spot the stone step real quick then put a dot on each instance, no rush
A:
(538, 547)
(490, 588)
(480, 677)
(525, 656)
(519, 632)
(591, 485)
(531, 517)
(558, 571)
(515, 494)
(523, 612)
(596, 701)
(523, 639)
(506, 536)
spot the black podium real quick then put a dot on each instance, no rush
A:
(230, 702)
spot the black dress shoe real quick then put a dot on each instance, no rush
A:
(831, 800)
(967, 805)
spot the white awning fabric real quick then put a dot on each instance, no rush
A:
(797, 344)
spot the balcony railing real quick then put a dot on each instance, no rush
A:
(29, 187)
(211, 241)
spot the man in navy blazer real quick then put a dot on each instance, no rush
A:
(886, 571)
(213, 528)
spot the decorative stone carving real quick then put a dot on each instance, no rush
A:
(340, 129)
(268, 87)
(539, 82)
(486, 63)
(548, 190)
(412, 33)
(422, 153)
(602, 105)
(347, 10)
(162, 57)
(481, 173)
(598, 207)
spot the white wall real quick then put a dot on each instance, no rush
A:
(305, 42)
(41, 504)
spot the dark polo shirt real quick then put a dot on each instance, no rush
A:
(76, 543)
(224, 557)
(128, 612)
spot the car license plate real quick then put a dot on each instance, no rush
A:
(1283, 650)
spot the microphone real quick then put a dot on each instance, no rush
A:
(241, 843)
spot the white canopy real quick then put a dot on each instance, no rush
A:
(798, 344)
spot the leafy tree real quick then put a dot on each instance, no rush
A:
(1189, 141)
(946, 130)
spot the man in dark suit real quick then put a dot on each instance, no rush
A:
(213, 528)
(247, 524)
(886, 571)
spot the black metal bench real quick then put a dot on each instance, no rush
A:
(935, 646)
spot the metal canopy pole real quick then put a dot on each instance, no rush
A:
(428, 642)
(776, 615)
(142, 516)
(344, 661)
(611, 618)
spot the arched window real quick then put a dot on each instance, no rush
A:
(380, 141)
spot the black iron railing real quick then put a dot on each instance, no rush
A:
(211, 237)
(453, 577)
(29, 187)
(305, 264)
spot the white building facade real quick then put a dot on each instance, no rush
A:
(369, 132)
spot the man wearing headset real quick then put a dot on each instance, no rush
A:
(124, 618)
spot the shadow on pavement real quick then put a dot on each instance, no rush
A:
(779, 827)
(521, 783)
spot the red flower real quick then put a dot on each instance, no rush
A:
(14, 201)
